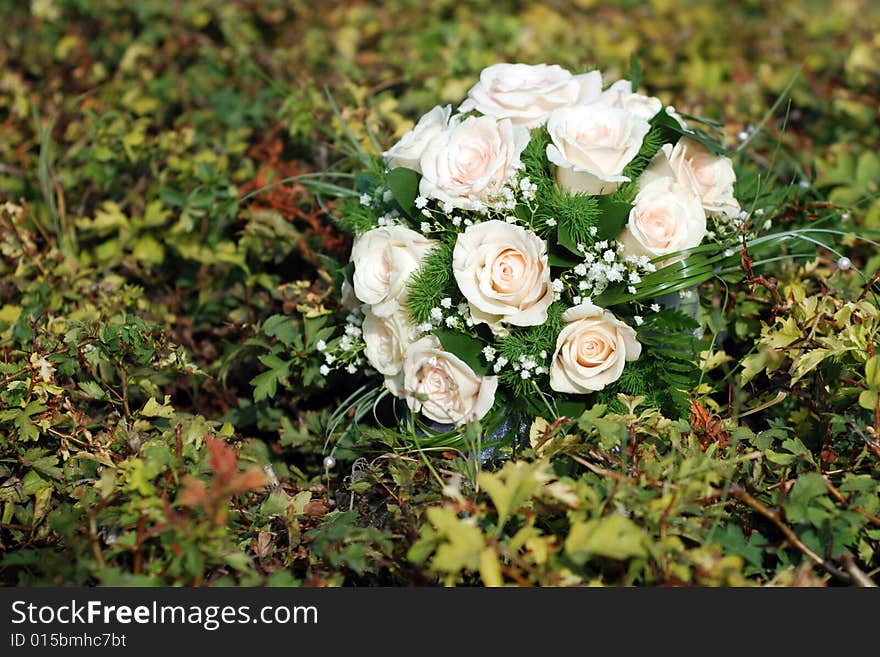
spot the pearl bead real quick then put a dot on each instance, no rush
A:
(329, 462)
(844, 263)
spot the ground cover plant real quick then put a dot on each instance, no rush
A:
(172, 177)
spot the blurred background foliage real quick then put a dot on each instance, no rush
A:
(162, 420)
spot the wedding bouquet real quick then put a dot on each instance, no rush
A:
(536, 247)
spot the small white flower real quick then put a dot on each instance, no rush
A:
(329, 358)
(451, 321)
(426, 227)
(804, 184)
(426, 212)
(576, 300)
(436, 314)
(446, 302)
(742, 135)
(351, 369)
(510, 219)
(557, 286)
(594, 230)
(345, 343)
(421, 202)
(387, 195)
(634, 278)
(551, 222)
(767, 225)
(760, 212)
(320, 345)
(489, 354)
(456, 221)
(425, 327)
(580, 270)
(609, 256)
(324, 370)
(365, 199)
(525, 374)
(631, 289)
(639, 320)
(655, 307)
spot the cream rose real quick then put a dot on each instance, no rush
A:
(528, 94)
(592, 144)
(443, 387)
(502, 271)
(469, 162)
(384, 258)
(621, 95)
(591, 350)
(710, 176)
(408, 151)
(386, 340)
(666, 217)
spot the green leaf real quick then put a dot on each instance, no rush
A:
(92, 389)
(468, 348)
(464, 542)
(872, 372)
(635, 72)
(612, 218)
(281, 327)
(806, 489)
(614, 536)
(404, 184)
(512, 486)
(154, 409)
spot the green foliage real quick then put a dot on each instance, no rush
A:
(529, 342)
(432, 282)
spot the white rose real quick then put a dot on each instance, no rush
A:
(442, 387)
(528, 94)
(408, 151)
(591, 350)
(666, 217)
(502, 271)
(384, 258)
(386, 340)
(592, 144)
(620, 95)
(469, 162)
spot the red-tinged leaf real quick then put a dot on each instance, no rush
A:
(252, 479)
(194, 493)
(222, 458)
